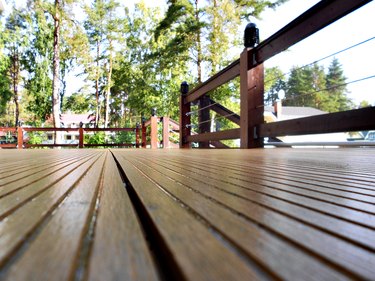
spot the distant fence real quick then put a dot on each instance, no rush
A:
(21, 142)
(147, 135)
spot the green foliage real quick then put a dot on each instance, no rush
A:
(274, 82)
(78, 103)
(14, 41)
(306, 87)
(336, 89)
(145, 77)
(40, 87)
(9, 137)
(124, 137)
(97, 138)
(132, 60)
(254, 8)
(36, 137)
(5, 84)
(364, 104)
(102, 138)
(103, 31)
(310, 86)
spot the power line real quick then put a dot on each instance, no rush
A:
(330, 88)
(200, 109)
(217, 118)
(324, 58)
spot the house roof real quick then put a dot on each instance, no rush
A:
(290, 112)
(68, 119)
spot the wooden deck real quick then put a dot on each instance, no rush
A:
(292, 214)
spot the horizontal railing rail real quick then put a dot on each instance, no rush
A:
(346, 121)
(324, 144)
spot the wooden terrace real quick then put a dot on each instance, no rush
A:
(121, 214)
(198, 214)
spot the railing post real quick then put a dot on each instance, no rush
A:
(144, 136)
(19, 137)
(137, 136)
(80, 137)
(165, 132)
(252, 100)
(154, 132)
(185, 128)
(204, 119)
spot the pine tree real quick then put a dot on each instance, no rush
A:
(38, 62)
(5, 82)
(183, 24)
(306, 87)
(337, 99)
(310, 86)
(15, 44)
(274, 83)
(103, 31)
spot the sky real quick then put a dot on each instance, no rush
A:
(357, 63)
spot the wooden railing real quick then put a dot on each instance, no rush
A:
(150, 137)
(153, 139)
(21, 142)
(249, 67)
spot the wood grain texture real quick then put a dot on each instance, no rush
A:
(289, 214)
(322, 229)
(188, 239)
(38, 239)
(59, 202)
(118, 235)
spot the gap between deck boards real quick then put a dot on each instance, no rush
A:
(162, 256)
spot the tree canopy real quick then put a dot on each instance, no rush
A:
(310, 86)
(133, 59)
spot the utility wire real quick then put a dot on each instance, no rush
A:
(217, 118)
(291, 98)
(200, 109)
(330, 88)
(324, 58)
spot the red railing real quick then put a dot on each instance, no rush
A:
(249, 67)
(151, 136)
(22, 142)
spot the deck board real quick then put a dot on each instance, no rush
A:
(137, 214)
(184, 234)
(118, 251)
(333, 225)
(47, 226)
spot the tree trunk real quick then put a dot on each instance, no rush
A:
(63, 91)
(108, 91)
(56, 67)
(199, 45)
(17, 113)
(215, 31)
(97, 113)
(15, 72)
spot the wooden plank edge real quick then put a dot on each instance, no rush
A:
(316, 18)
(346, 121)
(216, 136)
(222, 77)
